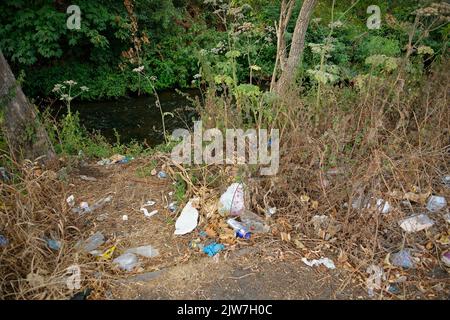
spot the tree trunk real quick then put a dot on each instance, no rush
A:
(26, 137)
(289, 68)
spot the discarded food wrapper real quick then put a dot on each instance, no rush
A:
(212, 249)
(149, 214)
(127, 261)
(125, 217)
(71, 200)
(416, 223)
(232, 201)
(402, 259)
(187, 221)
(436, 203)
(108, 253)
(145, 251)
(322, 261)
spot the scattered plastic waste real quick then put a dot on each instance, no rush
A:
(104, 162)
(82, 295)
(393, 289)
(93, 242)
(124, 217)
(446, 258)
(172, 206)
(402, 259)
(125, 160)
(3, 241)
(212, 249)
(54, 244)
(86, 178)
(446, 181)
(360, 202)
(240, 229)
(232, 201)
(108, 253)
(187, 221)
(322, 261)
(253, 222)
(319, 221)
(196, 243)
(150, 203)
(85, 208)
(162, 175)
(117, 158)
(383, 206)
(102, 217)
(149, 214)
(373, 282)
(203, 234)
(416, 223)
(71, 200)
(145, 251)
(153, 172)
(4, 174)
(271, 211)
(101, 203)
(436, 203)
(447, 217)
(127, 261)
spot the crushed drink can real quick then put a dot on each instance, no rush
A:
(241, 230)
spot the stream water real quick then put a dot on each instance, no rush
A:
(137, 118)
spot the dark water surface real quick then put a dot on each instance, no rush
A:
(137, 118)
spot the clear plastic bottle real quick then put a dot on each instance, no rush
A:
(241, 230)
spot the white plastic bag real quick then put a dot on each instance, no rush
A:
(232, 201)
(187, 221)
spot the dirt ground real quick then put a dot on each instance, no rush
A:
(262, 268)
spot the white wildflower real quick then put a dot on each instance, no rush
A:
(138, 69)
(84, 88)
(70, 82)
(57, 87)
(335, 24)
